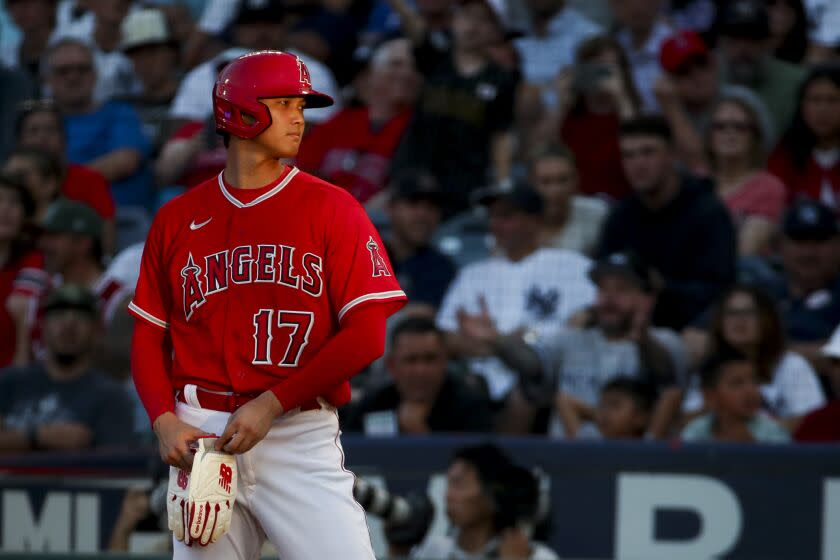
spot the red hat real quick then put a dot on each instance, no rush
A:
(679, 48)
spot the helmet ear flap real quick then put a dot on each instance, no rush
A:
(244, 119)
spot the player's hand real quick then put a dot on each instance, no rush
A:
(65, 436)
(174, 439)
(247, 426)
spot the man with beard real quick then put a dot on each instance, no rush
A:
(62, 403)
(574, 364)
(746, 58)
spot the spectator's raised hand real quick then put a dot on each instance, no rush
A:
(666, 91)
(479, 328)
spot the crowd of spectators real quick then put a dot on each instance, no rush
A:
(614, 219)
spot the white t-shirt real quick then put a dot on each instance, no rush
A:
(194, 99)
(125, 266)
(539, 293)
(445, 548)
(824, 16)
(794, 390)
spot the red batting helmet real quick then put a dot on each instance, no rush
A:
(255, 76)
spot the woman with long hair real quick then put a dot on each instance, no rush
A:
(736, 146)
(788, 30)
(22, 278)
(808, 158)
(745, 321)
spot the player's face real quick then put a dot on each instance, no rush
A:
(737, 393)
(42, 130)
(69, 332)
(414, 221)
(466, 504)
(741, 326)
(283, 137)
(555, 179)
(11, 214)
(417, 364)
(647, 161)
(618, 417)
(616, 302)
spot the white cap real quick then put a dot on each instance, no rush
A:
(832, 347)
(144, 27)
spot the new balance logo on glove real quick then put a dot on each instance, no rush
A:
(225, 476)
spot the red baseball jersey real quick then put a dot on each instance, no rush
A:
(251, 283)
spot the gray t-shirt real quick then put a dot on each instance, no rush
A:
(581, 361)
(29, 397)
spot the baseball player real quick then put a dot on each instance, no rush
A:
(261, 292)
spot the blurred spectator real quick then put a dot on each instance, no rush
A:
(72, 247)
(824, 17)
(256, 27)
(414, 210)
(624, 410)
(698, 15)
(746, 320)
(596, 95)
(40, 127)
(731, 389)
(147, 41)
(115, 76)
(62, 403)
(17, 87)
(527, 289)
(35, 19)
(488, 499)
(421, 396)
(746, 56)
(556, 30)
(788, 30)
(461, 129)
(41, 173)
(737, 146)
(22, 278)
(808, 158)
(108, 138)
(574, 364)
(354, 148)
(823, 425)
(675, 223)
(570, 221)
(642, 28)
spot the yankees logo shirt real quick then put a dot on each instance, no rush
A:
(251, 283)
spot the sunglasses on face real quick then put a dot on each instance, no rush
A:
(735, 126)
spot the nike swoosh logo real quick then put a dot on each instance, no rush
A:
(194, 226)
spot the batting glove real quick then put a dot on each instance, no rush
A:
(211, 495)
(176, 501)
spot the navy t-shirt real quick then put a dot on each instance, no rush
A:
(29, 397)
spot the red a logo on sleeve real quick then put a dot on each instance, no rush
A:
(380, 265)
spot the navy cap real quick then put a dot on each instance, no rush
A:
(627, 264)
(521, 196)
(810, 220)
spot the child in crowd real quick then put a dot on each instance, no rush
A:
(623, 410)
(731, 392)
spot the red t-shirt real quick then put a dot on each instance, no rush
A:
(89, 187)
(593, 139)
(762, 195)
(252, 283)
(349, 152)
(822, 425)
(24, 276)
(809, 181)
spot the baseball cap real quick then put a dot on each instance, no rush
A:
(144, 27)
(810, 220)
(832, 347)
(416, 185)
(69, 216)
(746, 19)
(627, 264)
(680, 48)
(521, 196)
(261, 11)
(70, 296)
